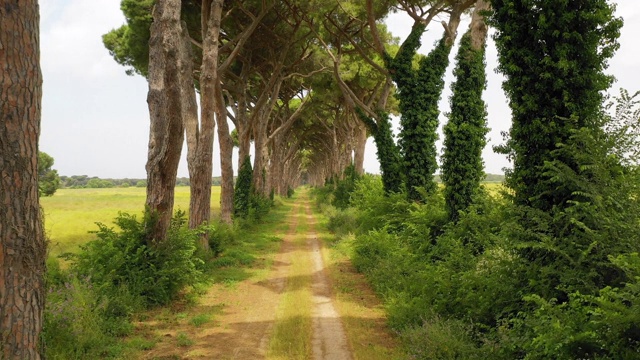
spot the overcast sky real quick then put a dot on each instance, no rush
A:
(95, 119)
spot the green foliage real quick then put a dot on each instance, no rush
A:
(553, 54)
(344, 187)
(419, 91)
(387, 151)
(96, 183)
(220, 236)
(462, 165)
(341, 222)
(76, 322)
(129, 44)
(124, 263)
(48, 179)
(243, 189)
(439, 339)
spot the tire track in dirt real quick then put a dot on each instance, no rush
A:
(243, 329)
(257, 307)
(329, 339)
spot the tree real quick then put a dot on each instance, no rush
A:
(169, 69)
(22, 243)
(465, 133)
(48, 179)
(387, 151)
(553, 54)
(574, 201)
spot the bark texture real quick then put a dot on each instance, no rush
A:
(167, 59)
(478, 25)
(22, 245)
(200, 133)
(226, 158)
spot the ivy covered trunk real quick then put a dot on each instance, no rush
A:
(165, 100)
(553, 55)
(22, 243)
(572, 203)
(419, 92)
(465, 133)
(388, 152)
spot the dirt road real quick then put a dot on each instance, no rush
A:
(286, 310)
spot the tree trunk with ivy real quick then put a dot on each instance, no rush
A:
(554, 82)
(22, 242)
(419, 92)
(465, 133)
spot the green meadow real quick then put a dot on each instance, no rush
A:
(70, 214)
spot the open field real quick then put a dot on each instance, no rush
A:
(70, 214)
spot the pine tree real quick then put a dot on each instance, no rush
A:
(387, 151)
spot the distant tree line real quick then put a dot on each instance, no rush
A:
(94, 182)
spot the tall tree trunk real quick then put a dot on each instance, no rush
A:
(166, 54)
(359, 149)
(226, 158)
(261, 156)
(200, 134)
(22, 245)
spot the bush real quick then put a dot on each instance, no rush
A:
(439, 339)
(123, 262)
(344, 188)
(220, 236)
(341, 222)
(76, 322)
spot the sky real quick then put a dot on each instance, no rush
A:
(95, 119)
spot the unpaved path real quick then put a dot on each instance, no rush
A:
(329, 339)
(241, 330)
(246, 314)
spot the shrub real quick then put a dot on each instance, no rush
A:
(76, 322)
(344, 187)
(342, 222)
(440, 339)
(220, 236)
(123, 262)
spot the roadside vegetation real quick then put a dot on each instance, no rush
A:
(107, 280)
(487, 287)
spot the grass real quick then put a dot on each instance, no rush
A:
(71, 213)
(293, 330)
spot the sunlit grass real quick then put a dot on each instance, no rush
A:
(70, 214)
(293, 330)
